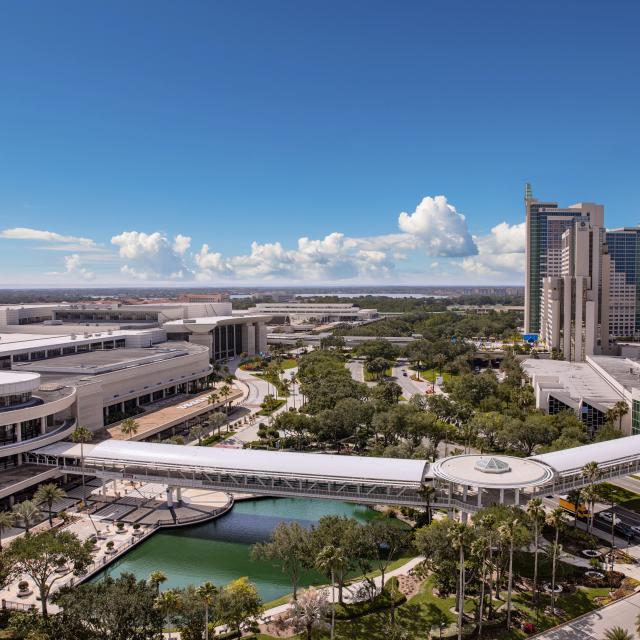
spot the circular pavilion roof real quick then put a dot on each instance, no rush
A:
(493, 471)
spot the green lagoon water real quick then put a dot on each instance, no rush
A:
(220, 550)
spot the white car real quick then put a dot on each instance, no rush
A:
(636, 530)
(607, 516)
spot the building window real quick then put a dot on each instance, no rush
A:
(635, 418)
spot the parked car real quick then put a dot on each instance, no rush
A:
(404, 373)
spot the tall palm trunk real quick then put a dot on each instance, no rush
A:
(490, 585)
(333, 605)
(553, 573)
(84, 491)
(461, 593)
(535, 561)
(206, 621)
(481, 608)
(510, 584)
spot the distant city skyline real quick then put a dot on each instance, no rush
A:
(286, 143)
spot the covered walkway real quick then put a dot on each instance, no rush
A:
(466, 483)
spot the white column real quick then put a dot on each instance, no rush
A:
(501, 496)
(479, 496)
(18, 432)
(464, 517)
(169, 497)
(43, 425)
(179, 494)
(465, 488)
(517, 497)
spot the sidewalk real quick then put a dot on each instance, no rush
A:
(592, 626)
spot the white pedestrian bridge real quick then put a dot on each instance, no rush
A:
(464, 482)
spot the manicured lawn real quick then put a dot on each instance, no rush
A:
(274, 406)
(289, 363)
(424, 611)
(625, 498)
(431, 374)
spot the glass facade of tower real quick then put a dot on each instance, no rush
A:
(624, 252)
(544, 250)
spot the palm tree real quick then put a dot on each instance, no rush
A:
(459, 536)
(48, 494)
(427, 493)
(197, 432)
(216, 420)
(129, 427)
(590, 495)
(555, 519)
(168, 603)
(7, 520)
(618, 633)
(480, 549)
(591, 472)
(27, 512)
(507, 533)
(574, 497)
(207, 592)
(156, 578)
(82, 435)
(331, 560)
(618, 411)
(213, 398)
(225, 392)
(535, 511)
(488, 524)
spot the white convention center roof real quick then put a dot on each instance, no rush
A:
(609, 452)
(277, 463)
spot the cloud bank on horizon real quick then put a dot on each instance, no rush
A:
(435, 236)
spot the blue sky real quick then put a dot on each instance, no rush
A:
(241, 127)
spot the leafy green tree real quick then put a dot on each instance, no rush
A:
(119, 608)
(239, 601)
(343, 535)
(7, 520)
(384, 540)
(81, 435)
(289, 546)
(378, 366)
(168, 604)
(39, 556)
(197, 432)
(434, 543)
(49, 494)
(377, 349)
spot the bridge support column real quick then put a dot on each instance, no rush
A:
(179, 494)
(169, 497)
(517, 497)
(465, 489)
(501, 496)
(479, 496)
(464, 516)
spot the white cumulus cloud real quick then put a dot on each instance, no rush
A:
(181, 243)
(150, 256)
(441, 229)
(500, 253)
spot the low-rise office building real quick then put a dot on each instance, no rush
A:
(588, 388)
(312, 312)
